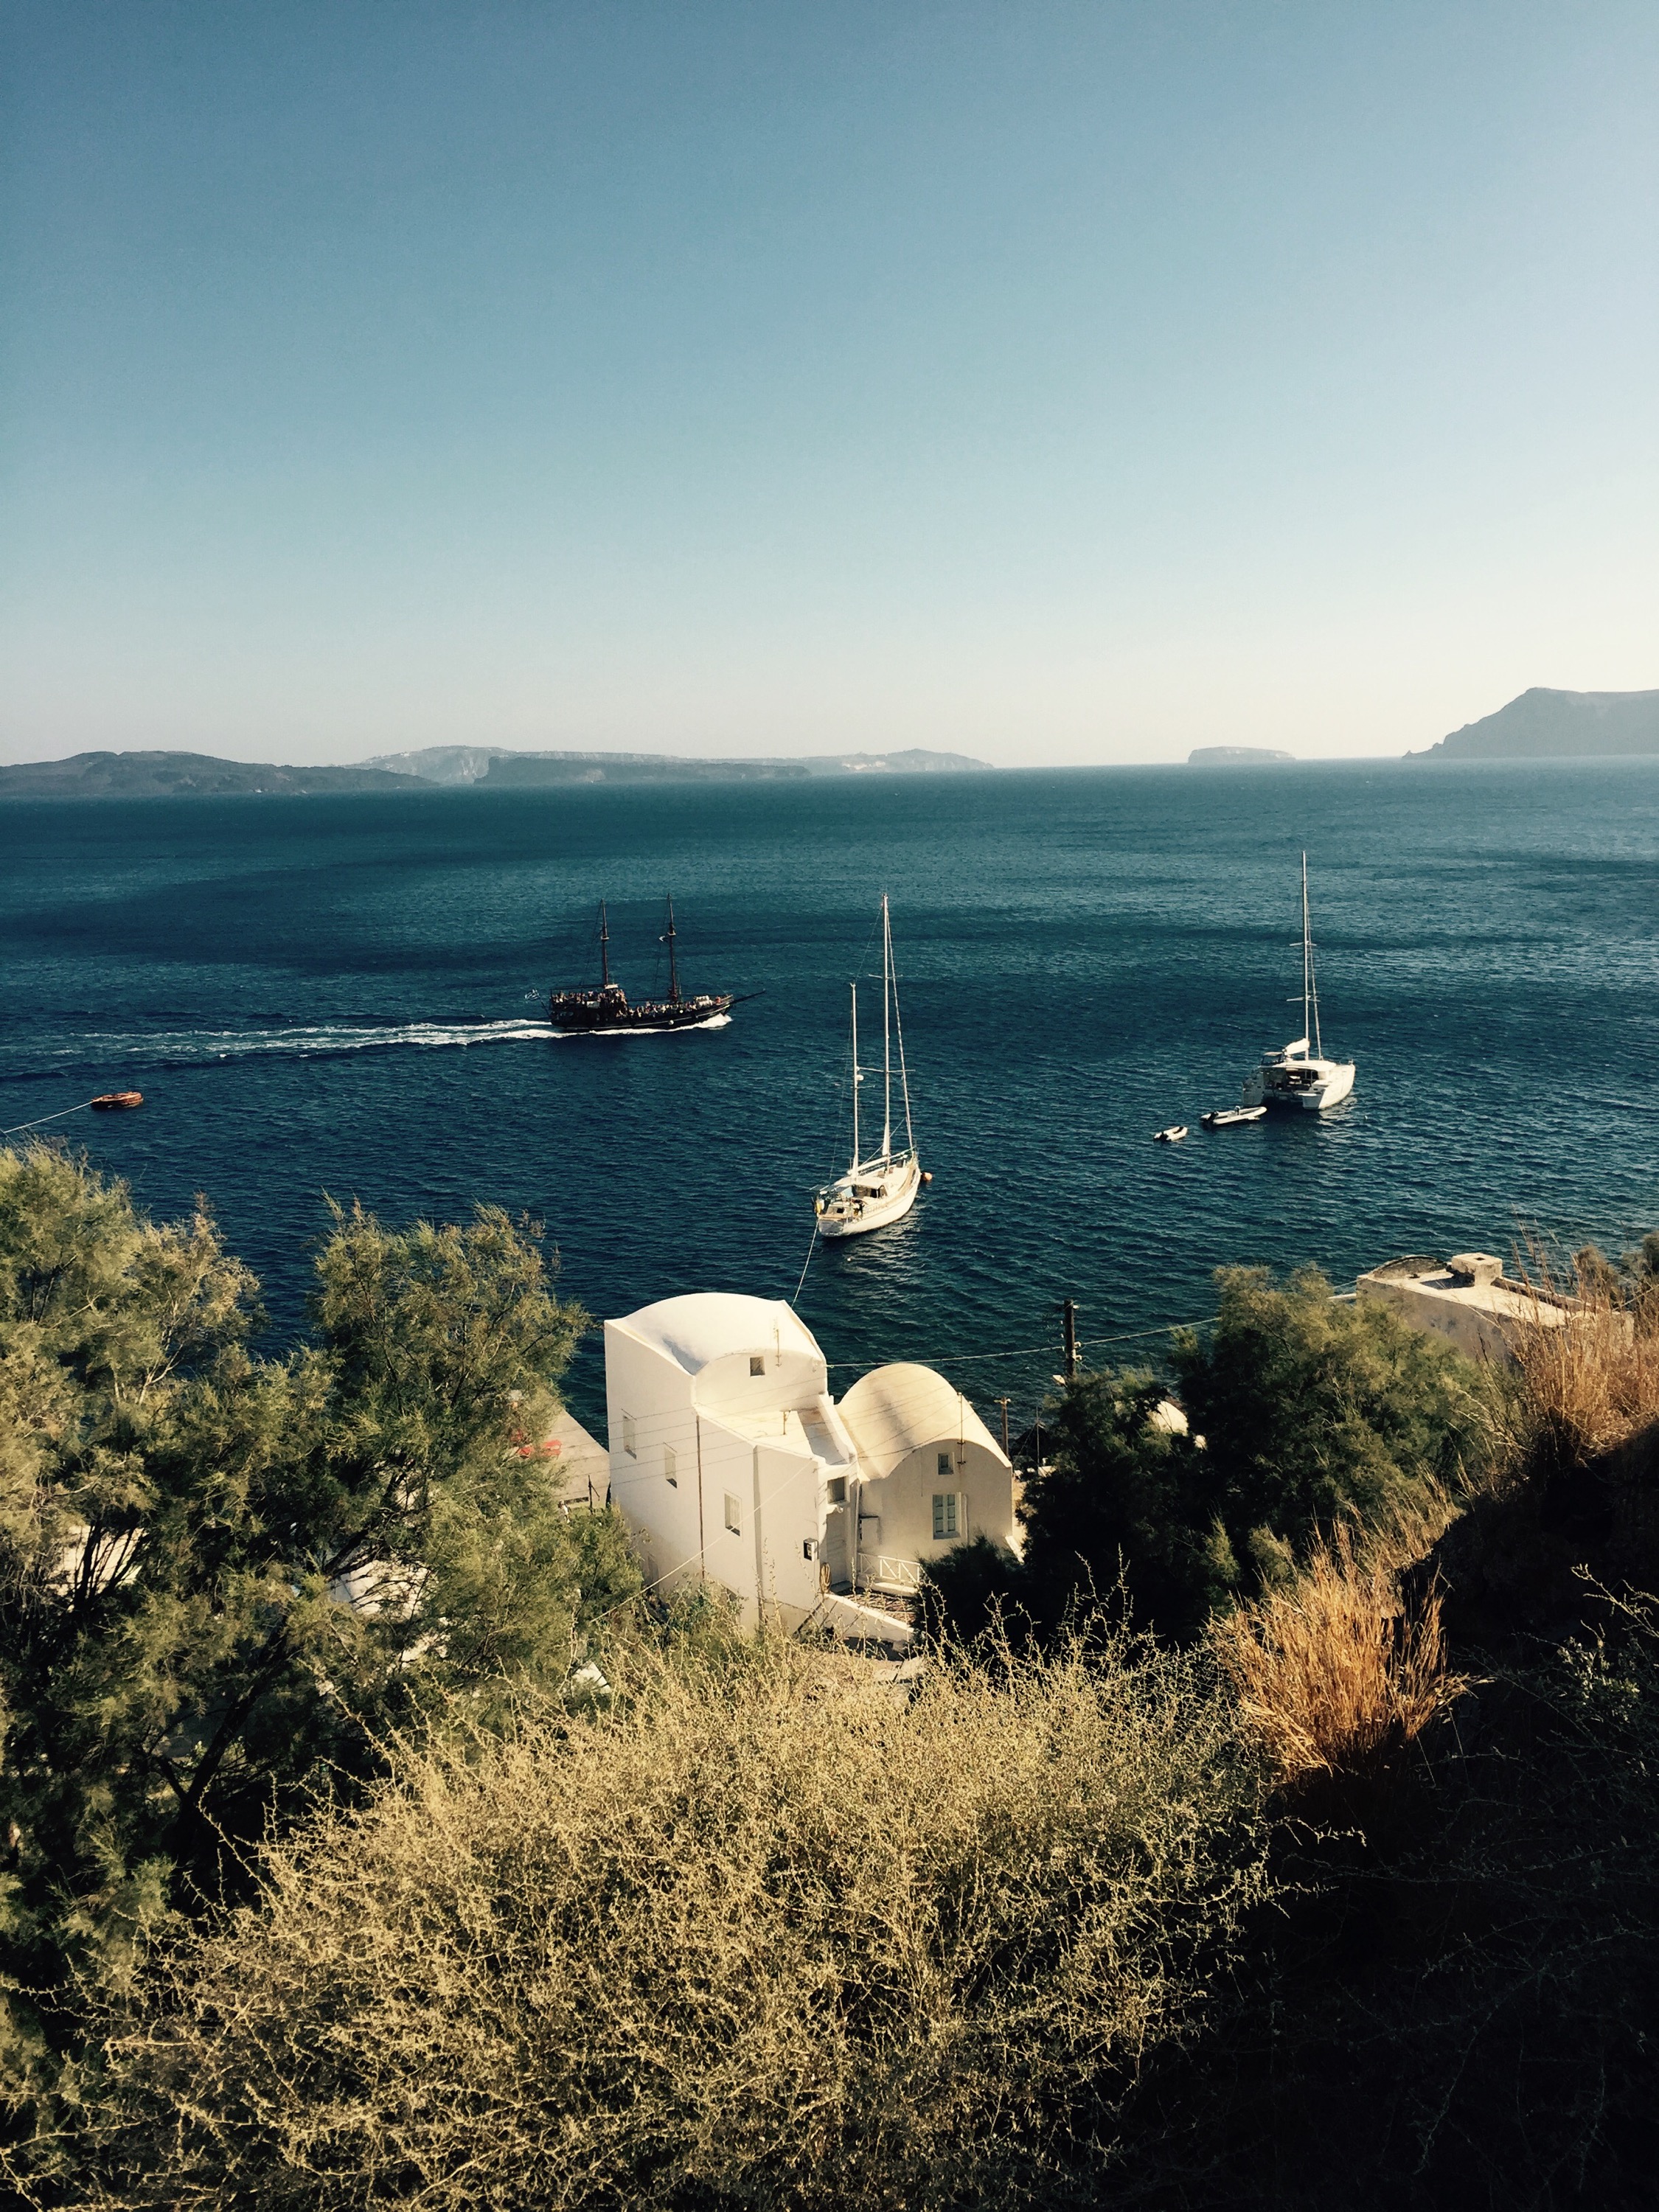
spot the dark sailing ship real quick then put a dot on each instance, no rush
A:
(608, 1009)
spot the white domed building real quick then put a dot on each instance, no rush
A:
(732, 1463)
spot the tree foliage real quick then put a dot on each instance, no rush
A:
(1300, 1409)
(224, 1577)
(1313, 1406)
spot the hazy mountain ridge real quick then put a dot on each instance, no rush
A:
(499, 766)
(161, 774)
(1542, 725)
(183, 775)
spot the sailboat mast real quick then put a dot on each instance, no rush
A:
(1307, 959)
(898, 1031)
(673, 965)
(1313, 981)
(886, 1029)
(605, 950)
(855, 1077)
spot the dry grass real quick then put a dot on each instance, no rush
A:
(1588, 1386)
(1335, 1678)
(758, 1935)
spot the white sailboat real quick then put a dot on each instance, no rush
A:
(1300, 1075)
(882, 1188)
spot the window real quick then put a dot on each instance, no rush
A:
(668, 1467)
(947, 1514)
(733, 1516)
(945, 1462)
(809, 1549)
(757, 1362)
(837, 1489)
(630, 1443)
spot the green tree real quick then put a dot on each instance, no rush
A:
(1312, 1407)
(1301, 1408)
(225, 1579)
(1123, 1508)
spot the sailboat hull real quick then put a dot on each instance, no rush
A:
(1297, 1077)
(873, 1195)
(1303, 1084)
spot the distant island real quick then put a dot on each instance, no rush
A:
(200, 775)
(496, 767)
(1233, 755)
(183, 775)
(1542, 725)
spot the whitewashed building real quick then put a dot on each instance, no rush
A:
(731, 1462)
(1469, 1301)
(932, 1475)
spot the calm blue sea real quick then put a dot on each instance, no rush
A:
(343, 995)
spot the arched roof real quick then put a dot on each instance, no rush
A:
(704, 1326)
(903, 1409)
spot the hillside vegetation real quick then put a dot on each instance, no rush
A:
(1279, 1834)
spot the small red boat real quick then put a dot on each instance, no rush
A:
(116, 1102)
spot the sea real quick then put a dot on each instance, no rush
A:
(345, 996)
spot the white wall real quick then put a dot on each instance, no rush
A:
(734, 1434)
(652, 1395)
(904, 1500)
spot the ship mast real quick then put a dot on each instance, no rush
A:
(1313, 975)
(898, 1031)
(886, 1030)
(854, 1170)
(1307, 960)
(673, 966)
(604, 951)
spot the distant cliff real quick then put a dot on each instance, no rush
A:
(178, 775)
(1232, 755)
(1564, 725)
(522, 771)
(440, 763)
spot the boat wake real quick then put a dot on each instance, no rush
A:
(181, 1049)
(319, 1041)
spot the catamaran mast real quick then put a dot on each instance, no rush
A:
(898, 1031)
(605, 950)
(1310, 982)
(886, 1029)
(673, 966)
(856, 1080)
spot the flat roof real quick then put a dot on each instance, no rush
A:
(1512, 1302)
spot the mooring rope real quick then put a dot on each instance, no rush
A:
(41, 1122)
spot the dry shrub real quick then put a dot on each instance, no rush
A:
(761, 1934)
(1334, 1676)
(1589, 1384)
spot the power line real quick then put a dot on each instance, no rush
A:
(1028, 1351)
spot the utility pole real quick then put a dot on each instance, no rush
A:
(1004, 1402)
(1070, 1314)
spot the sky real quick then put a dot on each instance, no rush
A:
(1058, 383)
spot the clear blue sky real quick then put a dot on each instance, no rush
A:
(1058, 383)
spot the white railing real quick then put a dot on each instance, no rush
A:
(875, 1568)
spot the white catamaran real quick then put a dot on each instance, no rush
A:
(1298, 1076)
(883, 1188)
